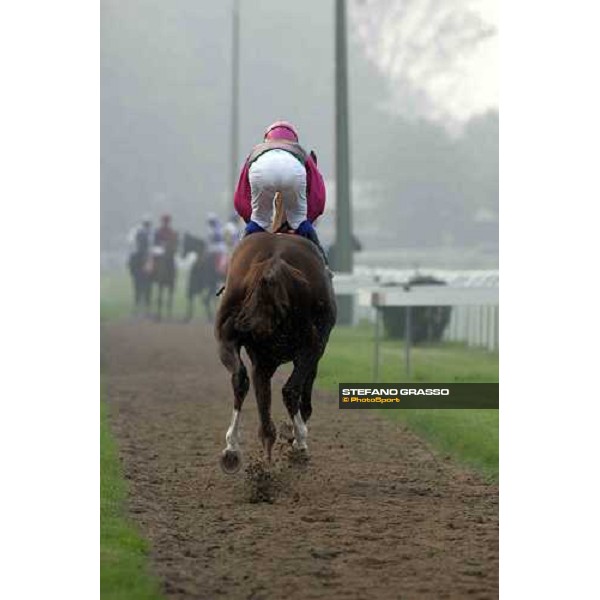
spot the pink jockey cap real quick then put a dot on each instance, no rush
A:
(281, 130)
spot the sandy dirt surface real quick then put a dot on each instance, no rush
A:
(375, 513)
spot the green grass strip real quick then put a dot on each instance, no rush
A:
(469, 436)
(124, 568)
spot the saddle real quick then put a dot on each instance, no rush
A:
(285, 227)
(280, 225)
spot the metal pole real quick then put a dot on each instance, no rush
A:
(483, 314)
(343, 242)
(235, 99)
(407, 338)
(377, 340)
(497, 328)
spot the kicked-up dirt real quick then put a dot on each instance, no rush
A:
(374, 512)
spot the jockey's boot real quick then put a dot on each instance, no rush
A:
(251, 227)
(307, 230)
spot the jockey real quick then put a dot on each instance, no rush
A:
(217, 248)
(231, 231)
(140, 237)
(280, 164)
(165, 236)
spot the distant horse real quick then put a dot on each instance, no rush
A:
(140, 269)
(164, 275)
(278, 305)
(203, 276)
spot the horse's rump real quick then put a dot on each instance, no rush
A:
(279, 306)
(271, 285)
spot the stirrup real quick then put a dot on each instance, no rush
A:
(252, 227)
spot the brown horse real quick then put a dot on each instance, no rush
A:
(278, 305)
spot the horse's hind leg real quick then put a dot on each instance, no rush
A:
(189, 314)
(148, 299)
(306, 396)
(140, 296)
(159, 303)
(229, 352)
(261, 378)
(136, 297)
(294, 393)
(208, 299)
(136, 293)
(170, 301)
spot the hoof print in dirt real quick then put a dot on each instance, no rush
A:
(299, 457)
(230, 461)
(262, 485)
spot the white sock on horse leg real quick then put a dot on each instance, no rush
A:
(300, 432)
(232, 435)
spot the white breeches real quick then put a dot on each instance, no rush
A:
(278, 171)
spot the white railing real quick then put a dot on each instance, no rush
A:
(473, 296)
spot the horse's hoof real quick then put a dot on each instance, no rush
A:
(298, 456)
(231, 461)
(300, 449)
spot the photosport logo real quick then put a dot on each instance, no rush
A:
(418, 395)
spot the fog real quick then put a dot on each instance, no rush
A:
(423, 114)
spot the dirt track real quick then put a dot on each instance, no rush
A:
(374, 514)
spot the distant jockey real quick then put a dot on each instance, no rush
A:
(140, 237)
(140, 263)
(281, 164)
(166, 237)
(216, 247)
(231, 232)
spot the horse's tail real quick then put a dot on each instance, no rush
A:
(270, 286)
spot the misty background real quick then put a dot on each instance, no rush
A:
(423, 117)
